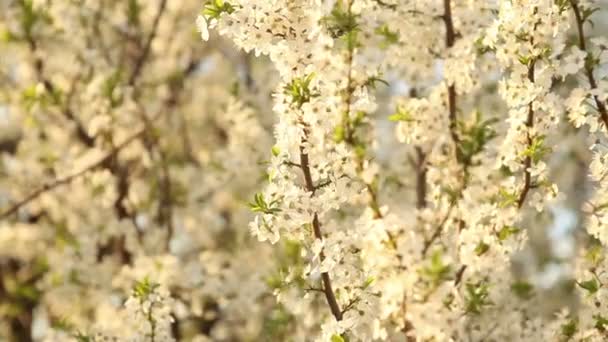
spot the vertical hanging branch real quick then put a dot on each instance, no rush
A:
(141, 60)
(299, 91)
(349, 30)
(580, 23)
(449, 39)
(316, 226)
(420, 178)
(529, 125)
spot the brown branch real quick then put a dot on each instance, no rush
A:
(437, 232)
(420, 178)
(39, 66)
(450, 38)
(310, 187)
(141, 60)
(601, 107)
(68, 179)
(528, 159)
(449, 24)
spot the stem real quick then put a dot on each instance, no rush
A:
(450, 38)
(437, 232)
(528, 160)
(68, 179)
(316, 225)
(420, 178)
(139, 63)
(601, 107)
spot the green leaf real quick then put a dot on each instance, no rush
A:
(522, 289)
(215, 8)
(371, 82)
(592, 285)
(133, 11)
(507, 198)
(481, 248)
(342, 22)
(536, 150)
(474, 136)
(275, 151)
(62, 324)
(569, 328)
(600, 322)
(259, 205)
(337, 338)
(437, 271)
(476, 297)
(82, 337)
(525, 60)
(595, 252)
(481, 48)
(401, 115)
(339, 134)
(368, 282)
(299, 90)
(506, 232)
(109, 86)
(587, 12)
(390, 37)
(144, 288)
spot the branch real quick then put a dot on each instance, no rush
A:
(437, 232)
(601, 107)
(420, 178)
(450, 38)
(310, 187)
(528, 160)
(39, 66)
(68, 179)
(139, 63)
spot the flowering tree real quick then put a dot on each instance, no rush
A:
(340, 170)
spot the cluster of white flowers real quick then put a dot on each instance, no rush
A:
(474, 178)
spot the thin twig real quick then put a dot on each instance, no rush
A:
(450, 38)
(68, 179)
(528, 159)
(139, 63)
(601, 107)
(310, 187)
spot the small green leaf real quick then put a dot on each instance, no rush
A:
(476, 297)
(536, 150)
(600, 322)
(144, 288)
(481, 248)
(506, 232)
(369, 281)
(342, 23)
(592, 285)
(522, 289)
(507, 198)
(339, 134)
(215, 8)
(371, 82)
(437, 271)
(299, 90)
(275, 151)
(390, 37)
(401, 115)
(337, 338)
(259, 205)
(569, 329)
(595, 252)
